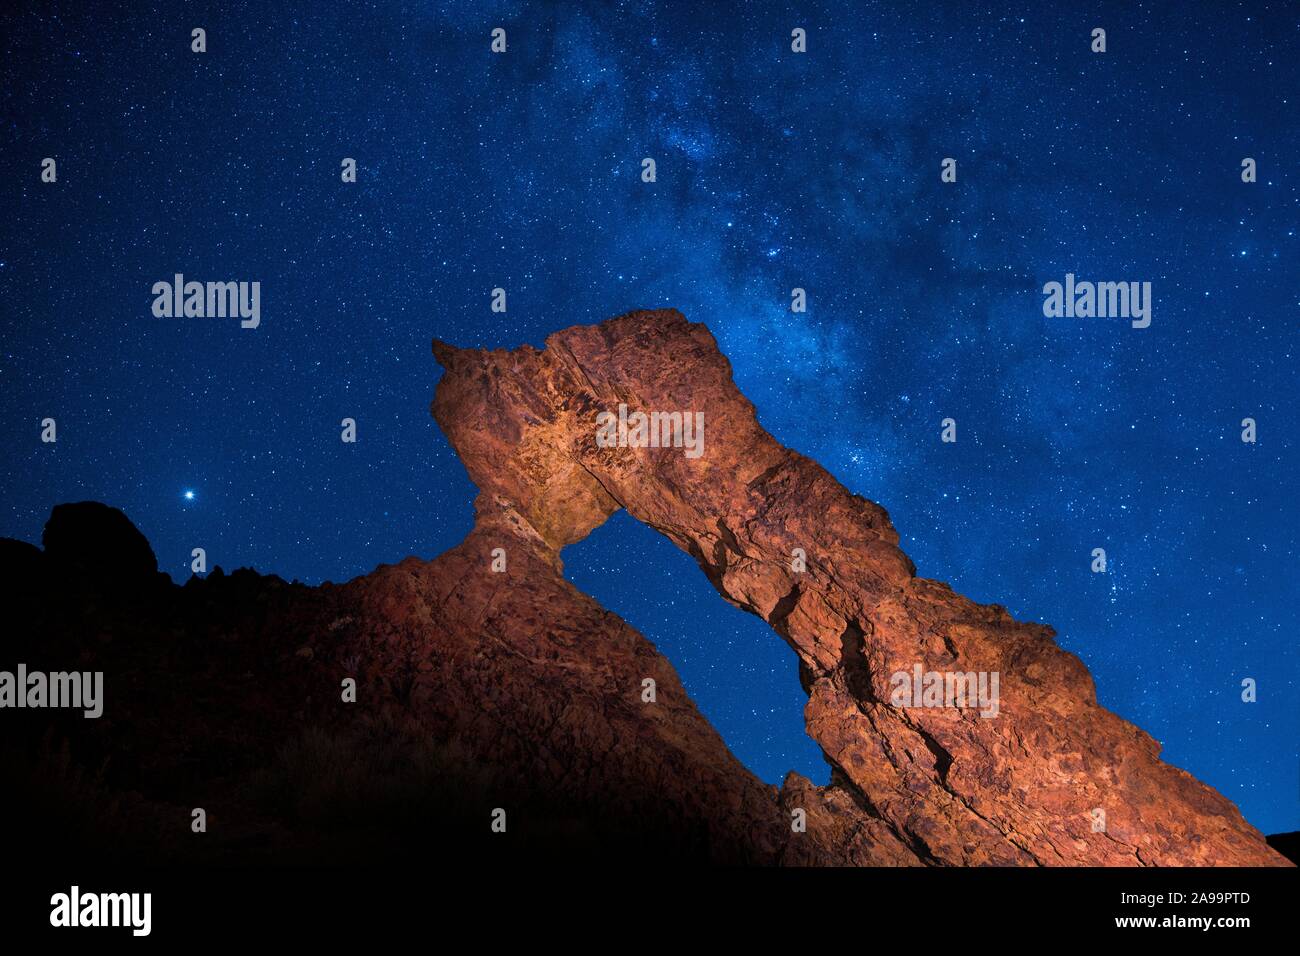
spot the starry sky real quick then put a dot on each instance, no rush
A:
(775, 170)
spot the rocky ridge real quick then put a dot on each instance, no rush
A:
(480, 689)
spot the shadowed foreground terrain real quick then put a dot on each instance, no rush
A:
(485, 680)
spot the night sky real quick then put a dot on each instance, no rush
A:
(774, 170)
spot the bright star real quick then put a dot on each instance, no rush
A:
(189, 496)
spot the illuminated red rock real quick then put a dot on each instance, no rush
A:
(929, 785)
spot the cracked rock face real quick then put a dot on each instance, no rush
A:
(1043, 776)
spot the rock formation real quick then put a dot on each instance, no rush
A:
(481, 689)
(929, 785)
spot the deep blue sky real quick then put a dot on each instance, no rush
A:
(775, 170)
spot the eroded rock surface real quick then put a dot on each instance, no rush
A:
(927, 785)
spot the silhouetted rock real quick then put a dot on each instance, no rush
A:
(19, 559)
(98, 544)
(1288, 844)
